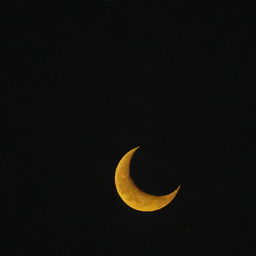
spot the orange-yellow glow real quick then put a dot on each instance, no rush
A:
(131, 194)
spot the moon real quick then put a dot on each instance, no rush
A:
(131, 194)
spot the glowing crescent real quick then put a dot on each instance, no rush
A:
(131, 194)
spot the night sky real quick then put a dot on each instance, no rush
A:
(86, 81)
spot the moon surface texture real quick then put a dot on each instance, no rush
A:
(131, 194)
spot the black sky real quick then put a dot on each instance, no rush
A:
(84, 83)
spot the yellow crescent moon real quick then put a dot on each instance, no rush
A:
(131, 194)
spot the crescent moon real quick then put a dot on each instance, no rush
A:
(131, 194)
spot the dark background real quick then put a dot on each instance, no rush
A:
(84, 83)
